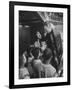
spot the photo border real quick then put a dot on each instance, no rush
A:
(11, 43)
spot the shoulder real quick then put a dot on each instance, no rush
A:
(50, 68)
(23, 72)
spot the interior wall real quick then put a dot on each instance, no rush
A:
(24, 38)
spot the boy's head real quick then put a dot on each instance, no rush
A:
(35, 52)
(47, 55)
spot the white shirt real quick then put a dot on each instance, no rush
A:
(50, 71)
(47, 69)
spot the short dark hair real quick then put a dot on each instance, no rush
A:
(35, 52)
(47, 54)
(45, 23)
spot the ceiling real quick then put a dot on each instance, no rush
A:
(29, 17)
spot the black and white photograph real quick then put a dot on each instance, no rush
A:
(39, 42)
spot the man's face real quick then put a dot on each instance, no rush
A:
(47, 28)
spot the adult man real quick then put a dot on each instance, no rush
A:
(50, 39)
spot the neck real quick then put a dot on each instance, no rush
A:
(48, 61)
